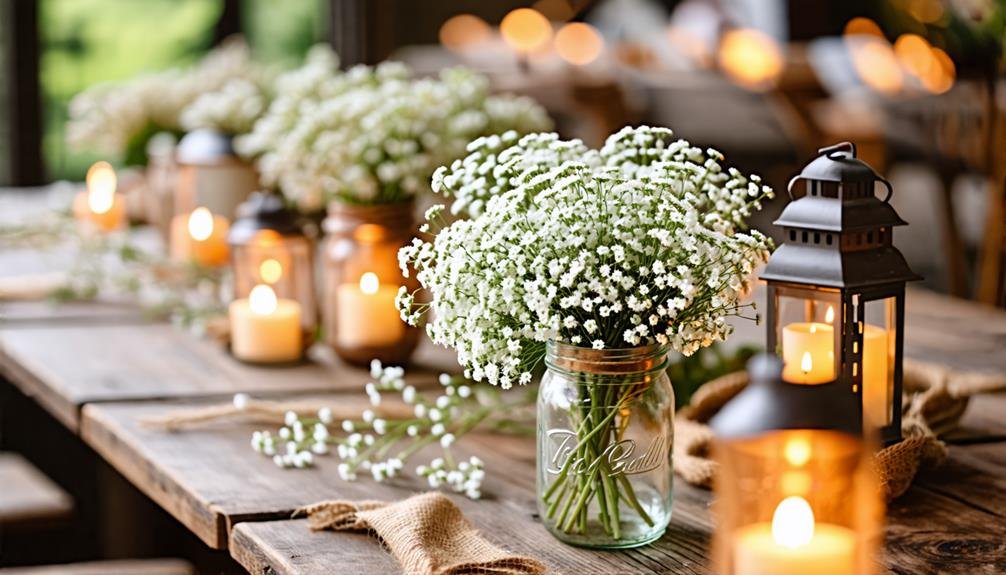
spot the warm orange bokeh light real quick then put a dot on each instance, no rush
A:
(926, 11)
(877, 65)
(932, 66)
(751, 58)
(101, 182)
(526, 30)
(578, 43)
(860, 26)
(943, 75)
(464, 31)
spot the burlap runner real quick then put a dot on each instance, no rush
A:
(935, 397)
(427, 533)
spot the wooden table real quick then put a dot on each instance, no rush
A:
(100, 379)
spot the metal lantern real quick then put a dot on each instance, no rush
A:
(268, 246)
(795, 489)
(836, 287)
(211, 174)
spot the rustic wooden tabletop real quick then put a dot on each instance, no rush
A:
(99, 375)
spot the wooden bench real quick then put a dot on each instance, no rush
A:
(27, 497)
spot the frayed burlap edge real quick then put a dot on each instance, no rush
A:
(935, 397)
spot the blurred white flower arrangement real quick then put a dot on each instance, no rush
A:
(636, 244)
(227, 89)
(381, 446)
(374, 134)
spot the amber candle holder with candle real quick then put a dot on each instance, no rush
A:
(795, 488)
(268, 246)
(361, 280)
(200, 237)
(99, 207)
(836, 287)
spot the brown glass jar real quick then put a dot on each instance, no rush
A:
(361, 279)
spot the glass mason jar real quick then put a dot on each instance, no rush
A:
(361, 280)
(605, 430)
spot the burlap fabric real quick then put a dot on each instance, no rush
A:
(935, 397)
(426, 533)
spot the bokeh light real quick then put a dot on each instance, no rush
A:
(578, 43)
(463, 31)
(526, 30)
(751, 58)
(877, 65)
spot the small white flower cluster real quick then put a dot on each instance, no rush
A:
(297, 442)
(233, 109)
(466, 478)
(637, 244)
(113, 118)
(373, 134)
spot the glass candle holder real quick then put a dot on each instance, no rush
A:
(211, 174)
(269, 247)
(795, 488)
(605, 432)
(361, 281)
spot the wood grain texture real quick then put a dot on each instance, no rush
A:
(27, 496)
(64, 367)
(120, 567)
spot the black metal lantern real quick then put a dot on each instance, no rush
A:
(836, 287)
(796, 490)
(268, 246)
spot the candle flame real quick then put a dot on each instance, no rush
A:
(829, 316)
(806, 363)
(369, 283)
(270, 271)
(262, 300)
(797, 451)
(578, 43)
(200, 224)
(101, 182)
(793, 522)
(526, 30)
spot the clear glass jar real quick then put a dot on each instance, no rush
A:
(361, 280)
(605, 430)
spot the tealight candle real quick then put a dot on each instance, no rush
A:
(200, 237)
(99, 206)
(264, 328)
(794, 545)
(366, 315)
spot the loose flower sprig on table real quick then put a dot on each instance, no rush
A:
(383, 445)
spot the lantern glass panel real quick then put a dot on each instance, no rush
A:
(283, 262)
(807, 324)
(879, 333)
(795, 501)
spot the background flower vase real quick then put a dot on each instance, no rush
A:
(605, 431)
(361, 280)
(211, 174)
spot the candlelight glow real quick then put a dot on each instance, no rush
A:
(262, 300)
(797, 451)
(578, 43)
(270, 271)
(369, 283)
(806, 363)
(860, 26)
(200, 224)
(525, 30)
(463, 31)
(751, 58)
(829, 316)
(101, 183)
(877, 65)
(793, 523)
(932, 66)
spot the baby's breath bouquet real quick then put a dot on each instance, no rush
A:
(373, 135)
(639, 244)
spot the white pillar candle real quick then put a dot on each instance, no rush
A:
(366, 315)
(794, 545)
(100, 207)
(200, 236)
(876, 402)
(808, 352)
(265, 329)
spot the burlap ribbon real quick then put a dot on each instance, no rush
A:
(427, 533)
(935, 397)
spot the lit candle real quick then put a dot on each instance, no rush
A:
(794, 545)
(200, 237)
(808, 352)
(264, 328)
(876, 403)
(366, 315)
(100, 206)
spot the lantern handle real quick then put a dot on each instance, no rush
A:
(789, 186)
(890, 189)
(830, 151)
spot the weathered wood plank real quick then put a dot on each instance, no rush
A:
(27, 496)
(955, 332)
(120, 567)
(64, 367)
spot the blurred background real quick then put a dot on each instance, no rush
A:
(914, 83)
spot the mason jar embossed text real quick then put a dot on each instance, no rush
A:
(605, 430)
